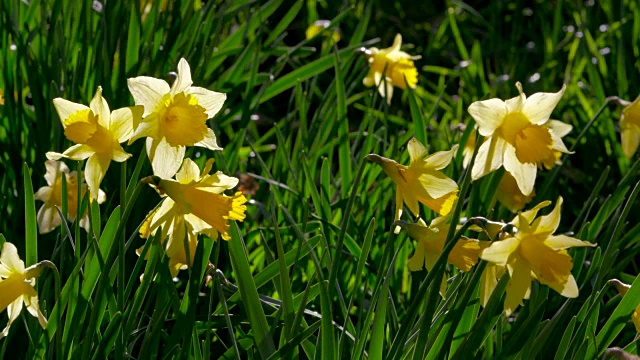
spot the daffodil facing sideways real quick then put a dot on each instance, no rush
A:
(17, 287)
(519, 136)
(97, 133)
(431, 239)
(509, 194)
(630, 128)
(48, 216)
(622, 290)
(533, 252)
(390, 67)
(421, 181)
(195, 204)
(174, 117)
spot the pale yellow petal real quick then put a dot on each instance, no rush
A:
(559, 128)
(119, 155)
(165, 159)
(183, 81)
(399, 209)
(122, 121)
(212, 101)
(488, 283)
(437, 184)
(560, 242)
(54, 168)
(530, 214)
(489, 158)
(500, 251)
(416, 150)
(416, 263)
(440, 159)
(65, 108)
(94, 172)
(43, 194)
(148, 92)
(34, 309)
(75, 152)
(148, 127)
(10, 260)
(570, 288)
(220, 181)
(518, 286)
(100, 108)
(630, 140)
(488, 114)
(515, 104)
(189, 172)
(525, 174)
(209, 141)
(48, 219)
(548, 224)
(539, 106)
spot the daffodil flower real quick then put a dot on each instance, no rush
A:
(48, 217)
(622, 290)
(630, 128)
(390, 67)
(431, 239)
(97, 133)
(509, 194)
(519, 134)
(17, 287)
(533, 252)
(174, 117)
(421, 181)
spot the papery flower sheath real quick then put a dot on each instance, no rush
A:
(390, 67)
(421, 181)
(630, 128)
(622, 290)
(48, 217)
(17, 287)
(97, 133)
(174, 117)
(519, 135)
(533, 252)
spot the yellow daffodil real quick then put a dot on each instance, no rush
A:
(320, 27)
(535, 253)
(97, 133)
(469, 147)
(519, 134)
(431, 239)
(199, 199)
(622, 290)
(630, 128)
(48, 217)
(421, 181)
(174, 117)
(390, 67)
(17, 287)
(509, 194)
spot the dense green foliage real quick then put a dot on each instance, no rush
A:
(315, 269)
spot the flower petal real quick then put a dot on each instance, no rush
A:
(570, 288)
(100, 108)
(500, 251)
(183, 81)
(416, 150)
(518, 286)
(539, 106)
(437, 184)
(94, 172)
(212, 101)
(547, 224)
(54, 168)
(48, 219)
(189, 172)
(559, 128)
(10, 260)
(515, 104)
(488, 114)
(65, 108)
(525, 174)
(630, 140)
(439, 160)
(119, 155)
(148, 92)
(489, 158)
(165, 159)
(122, 121)
(209, 141)
(416, 263)
(560, 242)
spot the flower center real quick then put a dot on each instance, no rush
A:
(184, 121)
(533, 143)
(82, 127)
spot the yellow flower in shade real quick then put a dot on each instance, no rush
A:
(17, 287)
(431, 239)
(321, 27)
(174, 117)
(390, 67)
(199, 199)
(421, 181)
(48, 216)
(509, 194)
(519, 134)
(622, 290)
(630, 127)
(535, 253)
(1, 97)
(97, 133)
